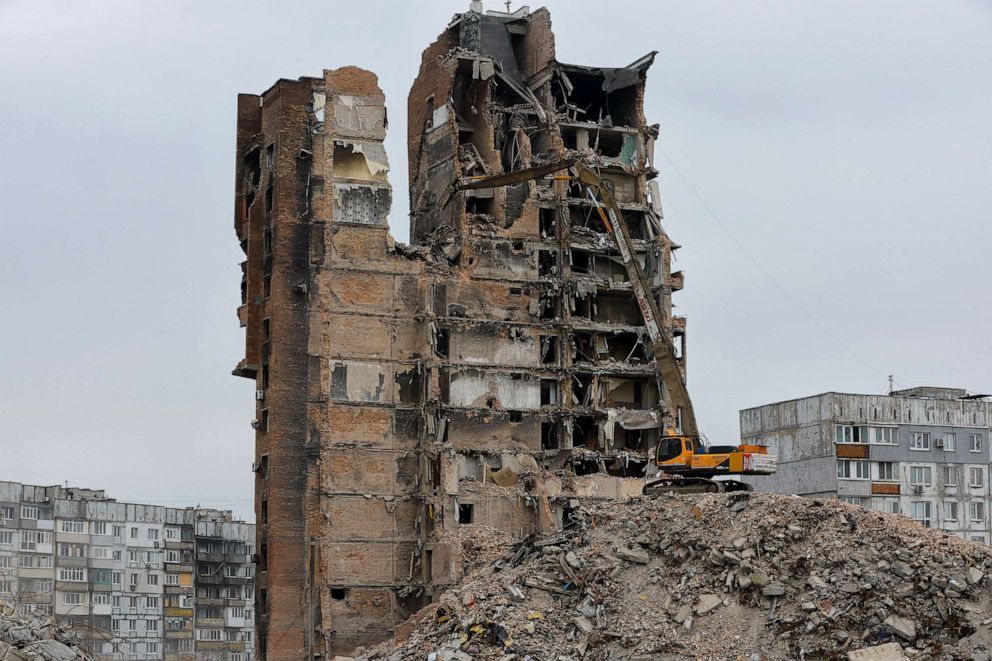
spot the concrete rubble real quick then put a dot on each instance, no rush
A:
(727, 576)
(24, 637)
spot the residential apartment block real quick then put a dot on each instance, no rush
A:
(129, 576)
(921, 452)
(394, 384)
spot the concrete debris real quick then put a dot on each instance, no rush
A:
(25, 637)
(637, 580)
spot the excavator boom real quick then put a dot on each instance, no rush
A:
(683, 415)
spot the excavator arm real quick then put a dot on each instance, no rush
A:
(683, 415)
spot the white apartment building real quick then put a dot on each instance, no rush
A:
(922, 452)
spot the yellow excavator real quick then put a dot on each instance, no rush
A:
(684, 462)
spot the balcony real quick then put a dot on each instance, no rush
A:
(209, 622)
(209, 557)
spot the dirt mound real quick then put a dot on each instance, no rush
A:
(738, 576)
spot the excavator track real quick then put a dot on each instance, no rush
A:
(687, 485)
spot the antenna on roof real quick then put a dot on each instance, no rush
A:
(891, 382)
(507, 6)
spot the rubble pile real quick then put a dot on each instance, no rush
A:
(715, 576)
(38, 637)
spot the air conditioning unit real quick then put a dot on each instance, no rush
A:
(260, 395)
(940, 442)
(917, 488)
(255, 467)
(925, 522)
(254, 424)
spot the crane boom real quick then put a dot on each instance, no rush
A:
(681, 410)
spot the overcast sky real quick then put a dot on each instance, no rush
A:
(845, 144)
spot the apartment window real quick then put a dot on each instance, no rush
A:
(134, 533)
(922, 511)
(920, 475)
(151, 625)
(132, 602)
(978, 538)
(976, 511)
(855, 500)
(152, 602)
(6, 513)
(101, 599)
(950, 510)
(172, 556)
(29, 512)
(975, 442)
(134, 579)
(850, 434)
(6, 561)
(152, 533)
(117, 555)
(976, 477)
(72, 526)
(77, 575)
(6, 586)
(45, 562)
(919, 440)
(72, 598)
(118, 577)
(152, 648)
(6, 537)
(848, 469)
(101, 552)
(171, 533)
(152, 579)
(888, 471)
(25, 560)
(118, 531)
(949, 442)
(172, 579)
(31, 538)
(884, 436)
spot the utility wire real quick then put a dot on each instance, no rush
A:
(757, 265)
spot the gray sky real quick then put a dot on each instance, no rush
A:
(846, 144)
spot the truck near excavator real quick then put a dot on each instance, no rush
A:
(684, 462)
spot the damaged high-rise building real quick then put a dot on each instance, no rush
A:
(493, 372)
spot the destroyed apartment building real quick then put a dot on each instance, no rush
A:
(490, 373)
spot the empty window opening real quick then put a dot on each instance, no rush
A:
(549, 349)
(516, 416)
(252, 178)
(265, 376)
(587, 466)
(584, 432)
(626, 467)
(266, 330)
(549, 435)
(581, 261)
(410, 386)
(617, 308)
(547, 263)
(480, 205)
(267, 285)
(466, 514)
(270, 156)
(263, 557)
(547, 223)
(637, 224)
(339, 381)
(263, 467)
(518, 246)
(263, 514)
(549, 392)
(442, 343)
(582, 389)
(267, 242)
(428, 564)
(263, 423)
(549, 306)
(585, 215)
(263, 601)
(339, 594)
(269, 195)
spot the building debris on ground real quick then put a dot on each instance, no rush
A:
(37, 636)
(713, 576)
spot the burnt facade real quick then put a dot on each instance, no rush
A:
(491, 373)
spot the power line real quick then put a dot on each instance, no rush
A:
(764, 271)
